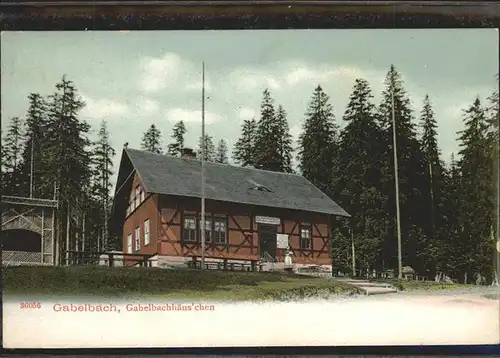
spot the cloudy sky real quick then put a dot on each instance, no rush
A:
(134, 79)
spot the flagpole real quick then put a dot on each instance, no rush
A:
(203, 167)
(32, 165)
(396, 182)
(353, 253)
(497, 271)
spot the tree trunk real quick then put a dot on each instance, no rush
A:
(431, 180)
(67, 237)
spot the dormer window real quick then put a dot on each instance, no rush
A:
(259, 187)
(137, 196)
(132, 202)
(262, 188)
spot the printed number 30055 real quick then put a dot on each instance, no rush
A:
(25, 305)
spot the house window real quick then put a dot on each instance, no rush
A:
(137, 196)
(129, 243)
(189, 229)
(142, 196)
(132, 202)
(128, 209)
(305, 238)
(146, 232)
(137, 238)
(208, 230)
(220, 236)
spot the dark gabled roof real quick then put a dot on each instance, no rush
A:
(163, 174)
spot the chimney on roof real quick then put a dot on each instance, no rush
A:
(188, 153)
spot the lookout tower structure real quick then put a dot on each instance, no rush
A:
(28, 231)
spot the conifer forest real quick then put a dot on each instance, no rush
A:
(449, 207)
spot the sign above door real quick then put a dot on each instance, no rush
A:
(267, 220)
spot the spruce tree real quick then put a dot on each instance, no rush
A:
(266, 139)
(411, 175)
(358, 188)
(478, 206)
(68, 142)
(221, 152)
(342, 248)
(151, 140)
(12, 147)
(450, 248)
(244, 149)
(12, 144)
(2, 157)
(284, 140)
(33, 158)
(177, 146)
(317, 144)
(493, 118)
(102, 158)
(68, 155)
(432, 194)
(209, 152)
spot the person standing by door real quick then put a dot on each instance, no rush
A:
(288, 260)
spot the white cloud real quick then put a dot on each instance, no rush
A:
(246, 113)
(190, 116)
(295, 131)
(249, 80)
(194, 85)
(292, 73)
(158, 73)
(171, 71)
(147, 105)
(301, 73)
(103, 108)
(272, 83)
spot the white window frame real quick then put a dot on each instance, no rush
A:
(146, 232)
(305, 239)
(220, 228)
(189, 223)
(142, 195)
(137, 196)
(129, 243)
(137, 242)
(208, 229)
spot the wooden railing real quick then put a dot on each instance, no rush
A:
(110, 258)
(15, 258)
(210, 264)
(266, 257)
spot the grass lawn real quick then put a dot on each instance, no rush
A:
(155, 282)
(413, 285)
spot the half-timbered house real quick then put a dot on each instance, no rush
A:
(250, 214)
